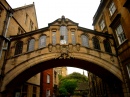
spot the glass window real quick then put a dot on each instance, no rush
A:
(31, 45)
(84, 40)
(96, 44)
(63, 35)
(128, 69)
(18, 47)
(112, 8)
(54, 38)
(47, 93)
(102, 24)
(73, 38)
(120, 34)
(48, 78)
(42, 42)
(107, 46)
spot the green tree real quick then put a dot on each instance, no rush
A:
(68, 84)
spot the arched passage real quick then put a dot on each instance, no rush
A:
(27, 69)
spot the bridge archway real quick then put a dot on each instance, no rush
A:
(30, 67)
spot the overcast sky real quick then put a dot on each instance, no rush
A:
(79, 11)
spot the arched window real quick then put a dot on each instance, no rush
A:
(42, 41)
(31, 44)
(18, 48)
(107, 46)
(96, 44)
(73, 38)
(84, 40)
(63, 35)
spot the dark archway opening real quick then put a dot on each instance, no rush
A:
(113, 82)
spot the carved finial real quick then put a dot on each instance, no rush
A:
(63, 17)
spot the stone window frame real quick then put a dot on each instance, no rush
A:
(102, 24)
(85, 42)
(53, 37)
(31, 45)
(107, 46)
(112, 8)
(63, 35)
(18, 48)
(43, 42)
(96, 43)
(120, 33)
(73, 37)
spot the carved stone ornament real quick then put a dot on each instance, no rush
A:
(50, 47)
(63, 51)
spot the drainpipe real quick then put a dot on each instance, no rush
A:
(5, 29)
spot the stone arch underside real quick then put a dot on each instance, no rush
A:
(26, 70)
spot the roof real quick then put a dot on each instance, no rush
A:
(23, 7)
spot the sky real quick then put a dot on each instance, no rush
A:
(79, 11)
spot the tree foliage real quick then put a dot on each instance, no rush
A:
(68, 84)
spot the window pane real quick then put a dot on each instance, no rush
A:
(84, 41)
(120, 34)
(64, 34)
(42, 41)
(19, 48)
(107, 46)
(48, 78)
(112, 8)
(31, 45)
(96, 43)
(73, 38)
(102, 24)
(54, 38)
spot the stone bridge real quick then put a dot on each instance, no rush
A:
(62, 43)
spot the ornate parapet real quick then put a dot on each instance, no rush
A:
(64, 51)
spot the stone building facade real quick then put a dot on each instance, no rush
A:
(11, 21)
(113, 17)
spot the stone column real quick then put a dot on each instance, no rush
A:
(69, 36)
(50, 36)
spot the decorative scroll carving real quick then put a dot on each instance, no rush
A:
(63, 51)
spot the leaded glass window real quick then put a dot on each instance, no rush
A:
(31, 45)
(96, 44)
(107, 46)
(42, 42)
(63, 35)
(112, 8)
(73, 38)
(120, 34)
(18, 48)
(54, 38)
(102, 24)
(84, 40)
